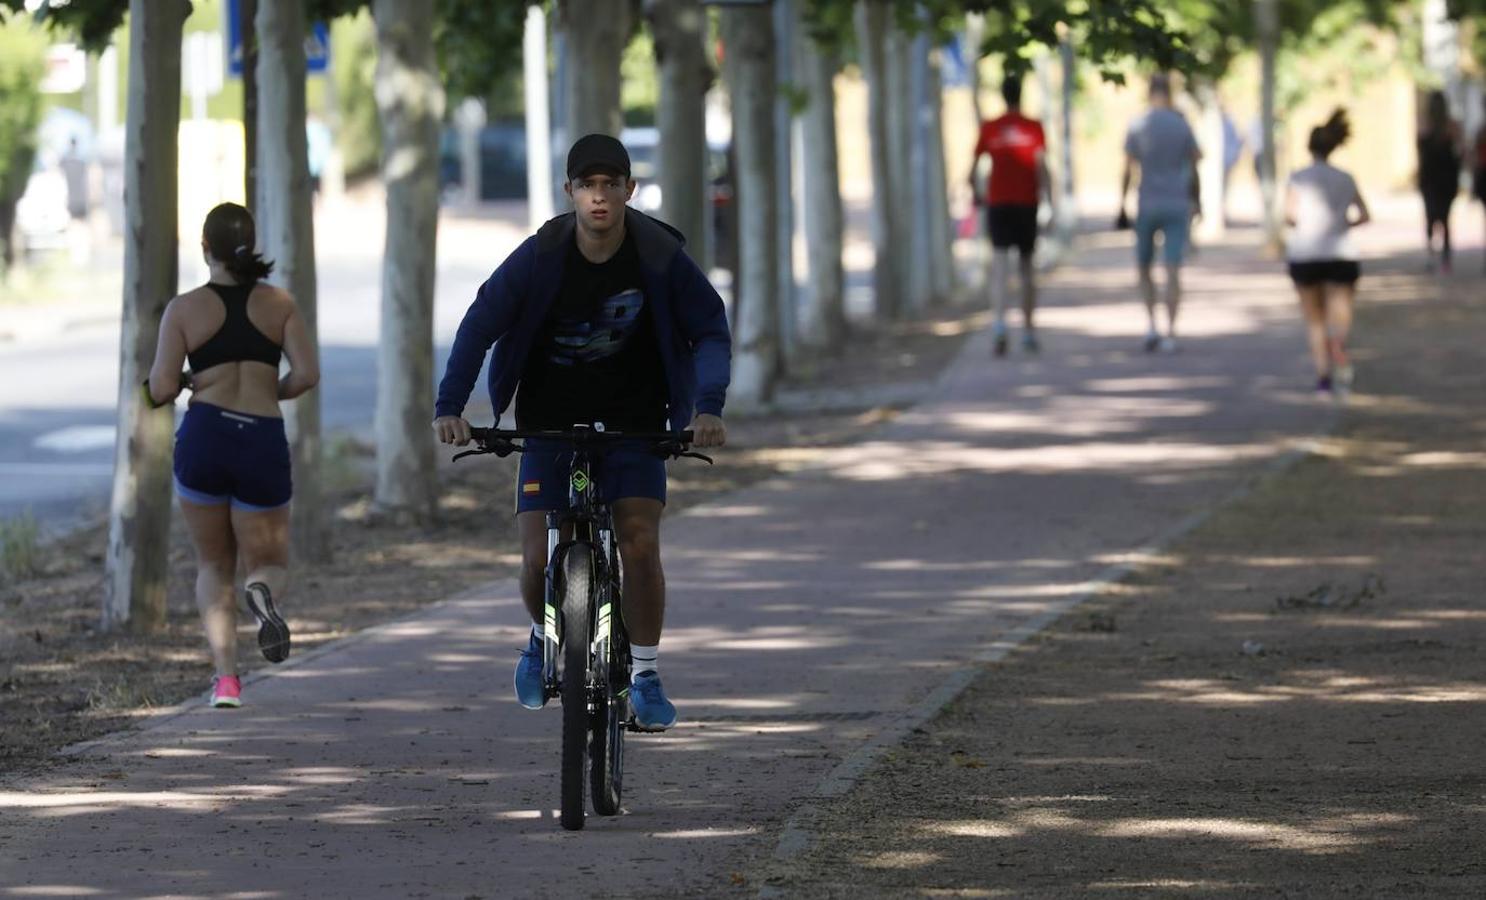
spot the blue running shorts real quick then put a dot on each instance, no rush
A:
(223, 456)
(1173, 224)
(622, 470)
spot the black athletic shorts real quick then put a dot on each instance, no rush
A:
(1325, 271)
(1012, 225)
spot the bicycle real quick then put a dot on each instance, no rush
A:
(585, 649)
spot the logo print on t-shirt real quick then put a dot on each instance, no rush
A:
(587, 341)
(1013, 137)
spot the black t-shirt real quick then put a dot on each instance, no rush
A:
(596, 358)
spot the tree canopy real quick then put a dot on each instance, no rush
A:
(1107, 31)
(92, 21)
(1201, 37)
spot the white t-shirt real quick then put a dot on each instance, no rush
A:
(1323, 193)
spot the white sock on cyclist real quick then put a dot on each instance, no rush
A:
(646, 658)
(536, 630)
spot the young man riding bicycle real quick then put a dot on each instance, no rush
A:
(598, 317)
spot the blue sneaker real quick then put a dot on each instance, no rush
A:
(530, 692)
(653, 712)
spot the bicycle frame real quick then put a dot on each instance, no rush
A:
(592, 523)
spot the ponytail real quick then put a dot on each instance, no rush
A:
(1326, 137)
(247, 266)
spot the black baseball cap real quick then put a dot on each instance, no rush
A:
(597, 151)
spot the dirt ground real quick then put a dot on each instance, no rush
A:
(62, 681)
(1291, 703)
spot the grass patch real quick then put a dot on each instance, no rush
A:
(20, 547)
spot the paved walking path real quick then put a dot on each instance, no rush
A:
(806, 614)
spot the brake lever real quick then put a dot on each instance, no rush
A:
(694, 455)
(501, 447)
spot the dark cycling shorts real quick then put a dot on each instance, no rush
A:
(1012, 225)
(223, 456)
(621, 470)
(1325, 271)
(1437, 205)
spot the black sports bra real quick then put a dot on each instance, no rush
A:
(238, 340)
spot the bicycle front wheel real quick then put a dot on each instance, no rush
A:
(577, 568)
(606, 752)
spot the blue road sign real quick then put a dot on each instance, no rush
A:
(954, 65)
(316, 43)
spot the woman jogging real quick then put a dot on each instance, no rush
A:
(231, 456)
(1319, 200)
(1439, 174)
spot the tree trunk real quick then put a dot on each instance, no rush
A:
(782, 51)
(825, 317)
(139, 514)
(248, 11)
(941, 238)
(410, 101)
(909, 249)
(1210, 168)
(747, 36)
(679, 28)
(919, 119)
(286, 230)
(539, 181)
(1067, 205)
(1267, 22)
(596, 32)
(975, 30)
(872, 23)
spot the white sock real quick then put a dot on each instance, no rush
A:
(536, 630)
(646, 658)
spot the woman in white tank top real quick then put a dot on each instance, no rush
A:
(1319, 204)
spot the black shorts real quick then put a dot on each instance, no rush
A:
(1437, 205)
(1325, 271)
(1012, 226)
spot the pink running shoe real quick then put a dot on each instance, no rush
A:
(227, 692)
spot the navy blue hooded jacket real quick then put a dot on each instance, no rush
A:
(691, 327)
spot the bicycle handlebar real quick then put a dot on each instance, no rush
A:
(577, 435)
(501, 441)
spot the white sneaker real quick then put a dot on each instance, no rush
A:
(1167, 345)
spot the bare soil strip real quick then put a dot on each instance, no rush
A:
(1291, 703)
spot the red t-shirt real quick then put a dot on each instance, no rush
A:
(1013, 142)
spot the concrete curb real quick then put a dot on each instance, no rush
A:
(800, 830)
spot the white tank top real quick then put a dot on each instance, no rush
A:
(1323, 194)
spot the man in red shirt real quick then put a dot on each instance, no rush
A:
(1019, 176)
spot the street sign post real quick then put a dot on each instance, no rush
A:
(316, 44)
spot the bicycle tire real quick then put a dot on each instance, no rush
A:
(608, 723)
(577, 590)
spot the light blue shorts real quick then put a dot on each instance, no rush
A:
(1173, 224)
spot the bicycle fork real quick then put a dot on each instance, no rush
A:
(551, 613)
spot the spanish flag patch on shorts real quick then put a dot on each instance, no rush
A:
(531, 487)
